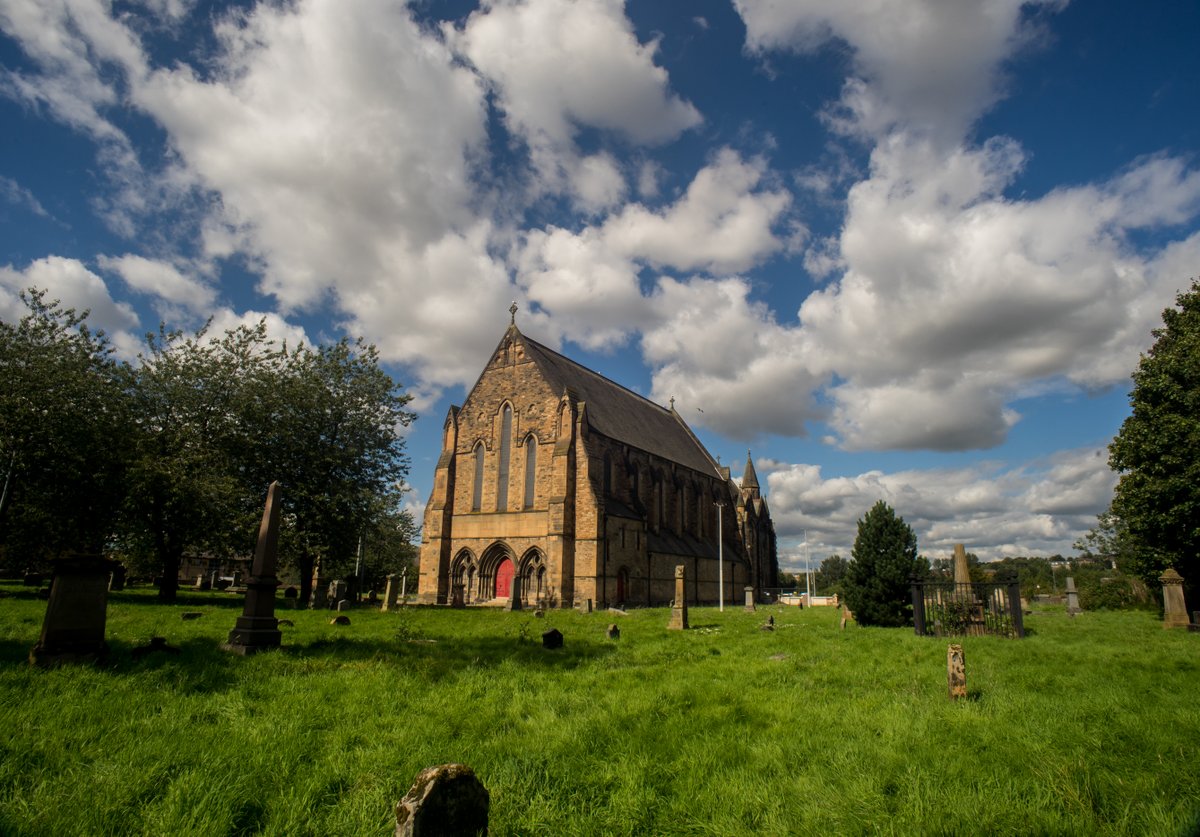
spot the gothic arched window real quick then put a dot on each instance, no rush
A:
(530, 470)
(505, 445)
(477, 489)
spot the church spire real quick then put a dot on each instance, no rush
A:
(749, 478)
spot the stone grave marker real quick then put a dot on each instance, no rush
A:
(585, 606)
(343, 605)
(1072, 598)
(338, 591)
(679, 610)
(73, 629)
(552, 638)
(257, 629)
(340, 620)
(1174, 606)
(613, 632)
(956, 672)
(749, 599)
(391, 592)
(445, 801)
(116, 582)
(962, 569)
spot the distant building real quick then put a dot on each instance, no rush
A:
(556, 486)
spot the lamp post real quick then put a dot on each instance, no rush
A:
(807, 572)
(720, 557)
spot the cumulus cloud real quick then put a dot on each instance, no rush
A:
(917, 62)
(1036, 509)
(561, 66)
(162, 280)
(70, 282)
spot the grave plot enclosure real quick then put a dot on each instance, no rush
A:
(955, 609)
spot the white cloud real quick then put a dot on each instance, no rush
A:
(996, 511)
(560, 66)
(724, 222)
(70, 282)
(917, 62)
(162, 280)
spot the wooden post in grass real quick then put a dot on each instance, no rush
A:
(257, 629)
(956, 672)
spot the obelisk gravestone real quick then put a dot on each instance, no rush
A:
(257, 629)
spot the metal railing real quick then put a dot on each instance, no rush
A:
(943, 608)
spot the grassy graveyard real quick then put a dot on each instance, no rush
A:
(1088, 726)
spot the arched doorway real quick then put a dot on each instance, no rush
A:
(622, 584)
(504, 577)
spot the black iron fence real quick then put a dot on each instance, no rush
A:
(942, 608)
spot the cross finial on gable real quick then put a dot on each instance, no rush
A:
(672, 402)
(513, 311)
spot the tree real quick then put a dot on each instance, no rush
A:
(63, 419)
(831, 574)
(187, 487)
(1156, 504)
(327, 425)
(878, 581)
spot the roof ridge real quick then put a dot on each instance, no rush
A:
(596, 374)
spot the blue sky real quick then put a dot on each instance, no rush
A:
(901, 249)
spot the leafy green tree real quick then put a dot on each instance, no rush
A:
(1157, 451)
(327, 424)
(830, 575)
(878, 581)
(63, 419)
(187, 488)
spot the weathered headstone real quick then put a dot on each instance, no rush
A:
(962, 570)
(769, 625)
(749, 599)
(1174, 606)
(340, 620)
(116, 581)
(552, 638)
(73, 629)
(1072, 598)
(444, 801)
(585, 606)
(956, 672)
(613, 632)
(338, 591)
(343, 605)
(679, 611)
(456, 596)
(257, 629)
(391, 592)
(319, 597)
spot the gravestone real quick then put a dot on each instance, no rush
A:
(343, 605)
(956, 672)
(337, 591)
(390, 592)
(445, 801)
(319, 599)
(340, 620)
(613, 632)
(1072, 598)
(552, 638)
(679, 612)
(291, 598)
(962, 570)
(1174, 606)
(116, 582)
(257, 629)
(73, 629)
(585, 606)
(769, 625)
(749, 599)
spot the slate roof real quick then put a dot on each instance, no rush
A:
(620, 413)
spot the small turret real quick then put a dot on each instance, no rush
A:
(749, 478)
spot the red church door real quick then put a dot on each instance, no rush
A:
(504, 576)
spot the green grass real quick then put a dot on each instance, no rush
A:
(1088, 726)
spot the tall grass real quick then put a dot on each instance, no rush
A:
(1088, 726)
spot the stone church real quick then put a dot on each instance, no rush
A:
(558, 487)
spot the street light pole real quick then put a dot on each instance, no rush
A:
(807, 572)
(720, 557)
